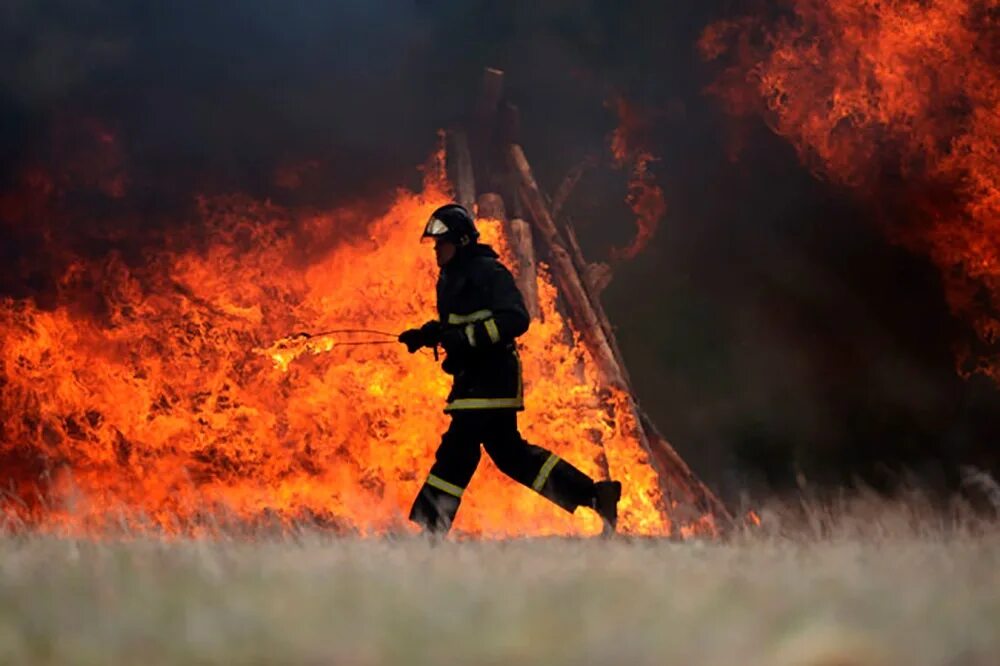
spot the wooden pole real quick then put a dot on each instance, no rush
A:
(490, 94)
(527, 269)
(465, 180)
(508, 132)
(571, 286)
(680, 486)
(483, 132)
(594, 293)
(518, 234)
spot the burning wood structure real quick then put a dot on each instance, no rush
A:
(493, 176)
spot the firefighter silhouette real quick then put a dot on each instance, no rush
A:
(480, 314)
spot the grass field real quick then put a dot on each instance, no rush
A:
(869, 586)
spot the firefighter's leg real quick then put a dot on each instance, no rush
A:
(456, 460)
(539, 469)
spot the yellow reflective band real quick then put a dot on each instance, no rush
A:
(478, 315)
(484, 403)
(470, 333)
(520, 377)
(491, 328)
(543, 473)
(441, 484)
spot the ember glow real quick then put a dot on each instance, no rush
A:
(645, 197)
(901, 101)
(164, 402)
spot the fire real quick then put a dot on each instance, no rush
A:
(175, 399)
(900, 100)
(645, 197)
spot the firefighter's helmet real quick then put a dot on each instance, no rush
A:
(451, 223)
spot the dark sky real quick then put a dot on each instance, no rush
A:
(769, 326)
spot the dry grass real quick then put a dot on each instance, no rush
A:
(853, 585)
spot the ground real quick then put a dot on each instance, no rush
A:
(879, 588)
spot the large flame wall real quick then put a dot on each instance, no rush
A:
(154, 407)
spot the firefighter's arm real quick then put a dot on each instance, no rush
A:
(507, 316)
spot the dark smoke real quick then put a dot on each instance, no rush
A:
(769, 327)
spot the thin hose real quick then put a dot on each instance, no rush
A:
(334, 331)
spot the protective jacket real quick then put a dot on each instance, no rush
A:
(478, 295)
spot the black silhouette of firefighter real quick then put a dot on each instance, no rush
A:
(480, 314)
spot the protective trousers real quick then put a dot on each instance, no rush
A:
(458, 456)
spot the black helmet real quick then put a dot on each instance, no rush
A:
(452, 223)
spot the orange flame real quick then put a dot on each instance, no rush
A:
(169, 404)
(875, 92)
(644, 197)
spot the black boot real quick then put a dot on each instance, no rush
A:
(606, 496)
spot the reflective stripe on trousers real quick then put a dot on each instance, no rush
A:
(444, 486)
(543, 473)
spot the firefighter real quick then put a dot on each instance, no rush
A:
(480, 313)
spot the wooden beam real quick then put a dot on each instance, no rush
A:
(461, 159)
(518, 234)
(527, 267)
(565, 272)
(509, 125)
(594, 293)
(490, 94)
(483, 131)
(505, 181)
(681, 488)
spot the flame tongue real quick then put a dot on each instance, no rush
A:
(167, 410)
(876, 91)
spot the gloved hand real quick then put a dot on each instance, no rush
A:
(428, 335)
